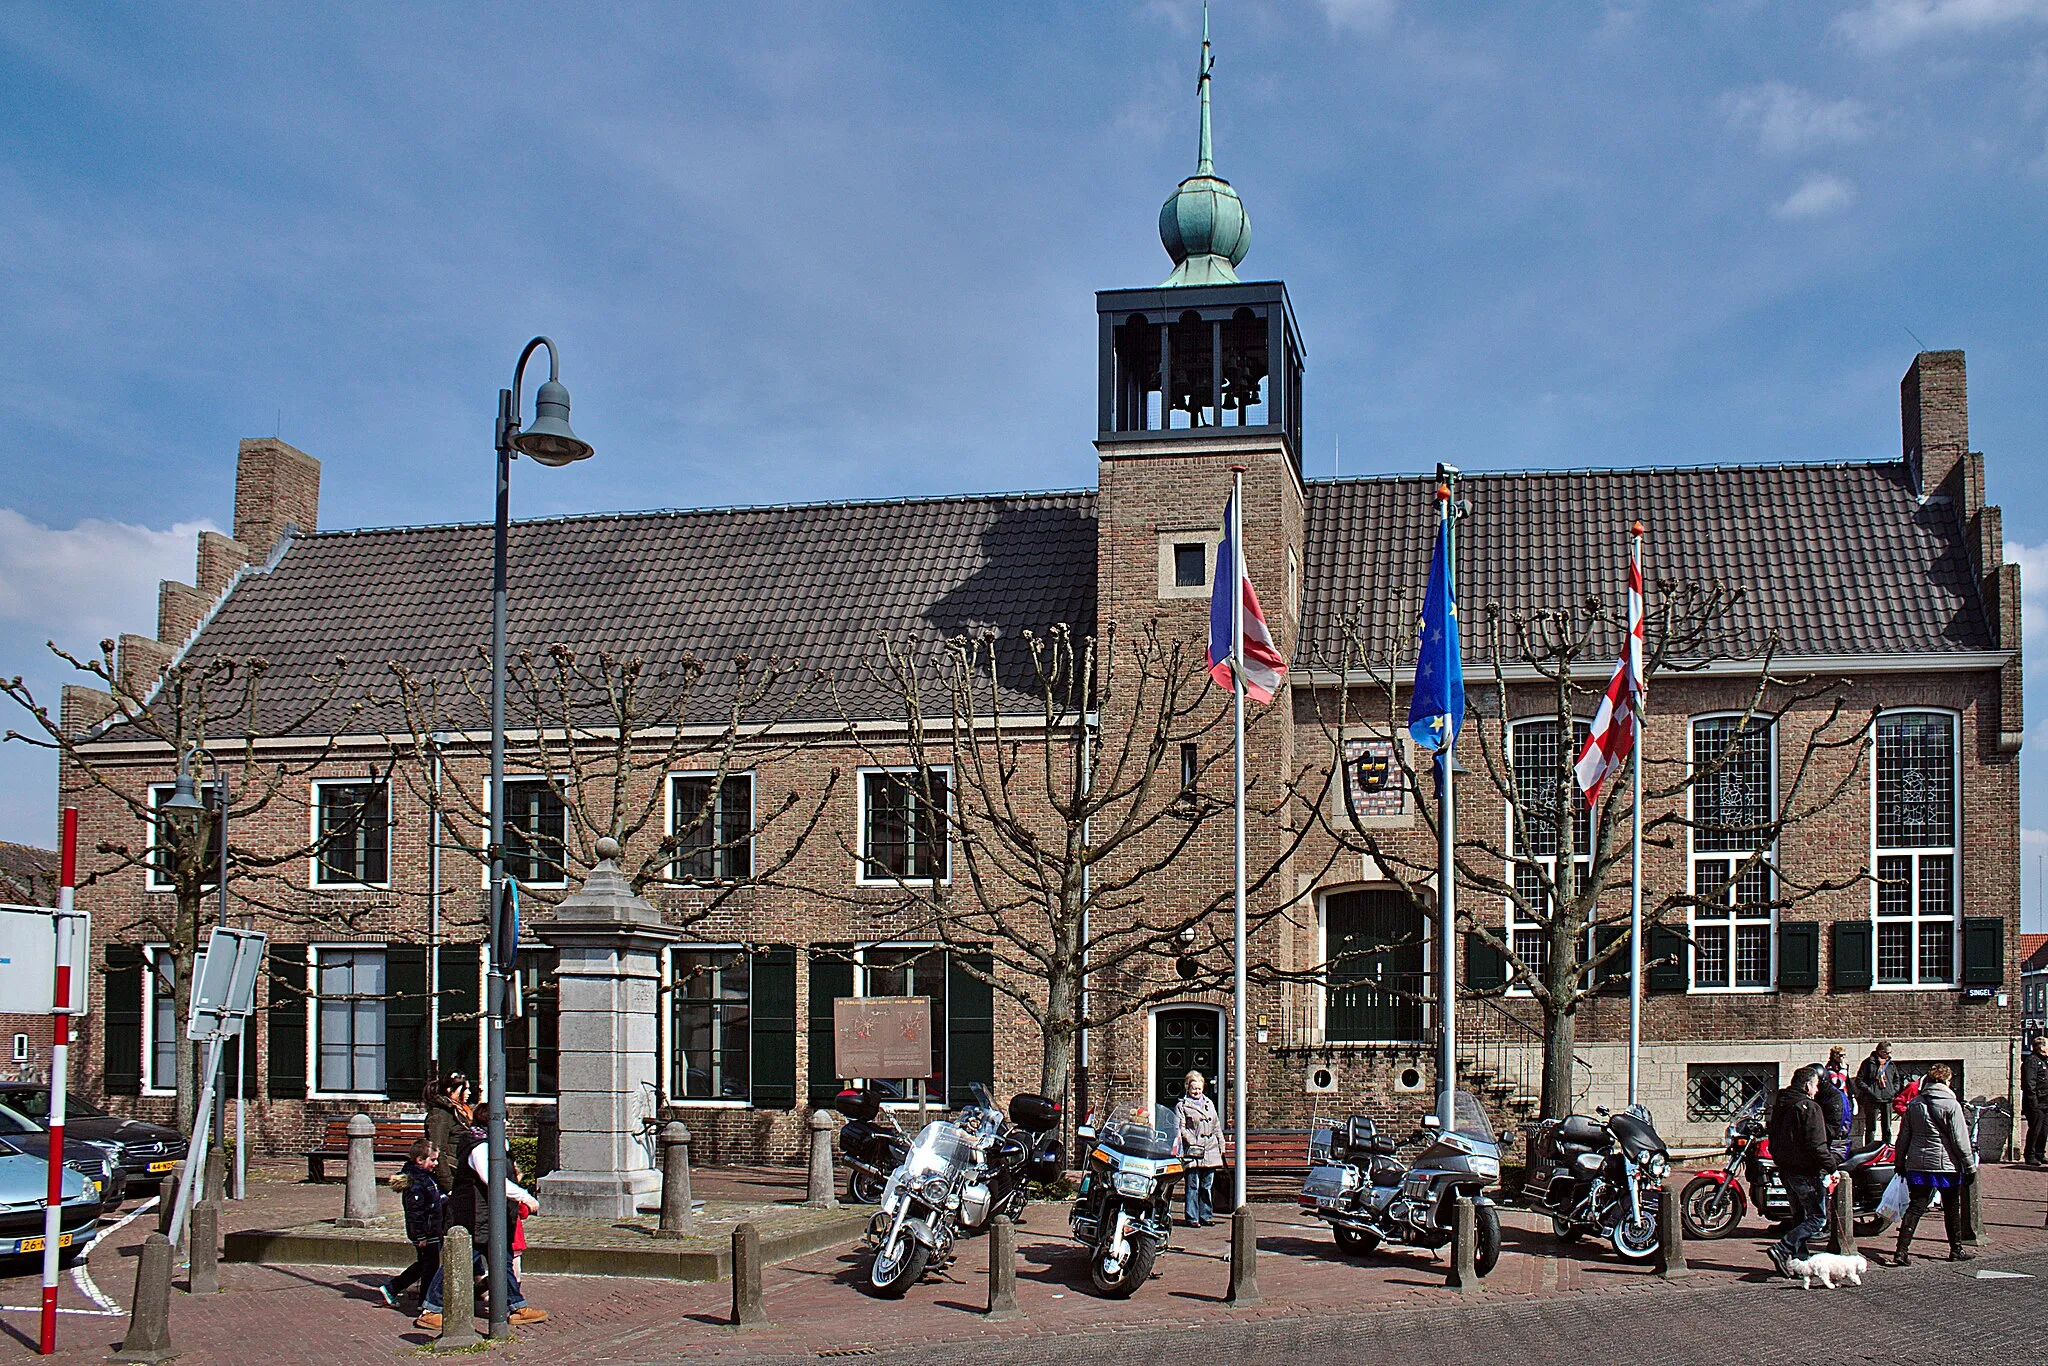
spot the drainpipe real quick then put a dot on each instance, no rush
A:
(438, 739)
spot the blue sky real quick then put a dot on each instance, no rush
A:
(801, 252)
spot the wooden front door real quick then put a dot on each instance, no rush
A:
(1187, 1039)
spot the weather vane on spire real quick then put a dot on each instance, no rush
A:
(1204, 163)
(1203, 225)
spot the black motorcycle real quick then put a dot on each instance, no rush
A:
(1714, 1202)
(1601, 1174)
(871, 1142)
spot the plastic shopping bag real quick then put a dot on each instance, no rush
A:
(1892, 1203)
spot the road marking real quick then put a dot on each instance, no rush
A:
(37, 1309)
(130, 1217)
(82, 1278)
(87, 1287)
(2005, 1276)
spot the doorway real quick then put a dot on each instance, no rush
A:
(1374, 943)
(1185, 1039)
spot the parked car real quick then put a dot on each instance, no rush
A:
(24, 1184)
(97, 1161)
(147, 1152)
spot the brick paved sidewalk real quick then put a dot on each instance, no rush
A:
(332, 1315)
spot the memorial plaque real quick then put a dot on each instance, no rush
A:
(883, 1036)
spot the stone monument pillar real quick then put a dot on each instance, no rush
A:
(608, 978)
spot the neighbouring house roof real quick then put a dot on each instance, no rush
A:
(28, 875)
(2032, 957)
(1837, 560)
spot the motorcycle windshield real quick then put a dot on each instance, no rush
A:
(941, 1147)
(1139, 1130)
(1470, 1117)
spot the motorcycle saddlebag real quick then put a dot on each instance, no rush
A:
(1046, 1162)
(1036, 1113)
(854, 1136)
(1584, 1131)
(858, 1103)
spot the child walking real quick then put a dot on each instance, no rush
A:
(424, 1220)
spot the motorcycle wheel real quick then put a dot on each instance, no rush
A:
(862, 1188)
(1486, 1231)
(1636, 1240)
(891, 1279)
(1354, 1239)
(1137, 1270)
(1711, 1209)
(1563, 1229)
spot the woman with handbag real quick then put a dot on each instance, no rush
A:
(1935, 1156)
(1201, 1148)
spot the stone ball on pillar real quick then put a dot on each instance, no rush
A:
(608, 849)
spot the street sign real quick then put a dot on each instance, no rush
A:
(28, 959)
(882, 1036)
(226, 988)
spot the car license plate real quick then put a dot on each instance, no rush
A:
(156, 1167)
(36, 1244)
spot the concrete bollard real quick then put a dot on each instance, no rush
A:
(149, 1322)
(167, 1197)
(1002, 1271)
(1244, 1259)
(1842, 1216)
(1671, 1233)
(216, 1175)
(204, 1278)
(677, 1219)
(1973, 1207)
(746, 1278)
(821, 1193)
(1464, 1269)
(458, 1292)
(359, 1200)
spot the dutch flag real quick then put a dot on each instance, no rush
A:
(1263, 666)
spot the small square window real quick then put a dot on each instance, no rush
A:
(1190, 564)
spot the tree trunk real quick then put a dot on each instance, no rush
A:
(186, 1067)
(1056, 1065)
(1560, 1051)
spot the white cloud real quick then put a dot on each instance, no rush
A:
(1887, 25)
(2033, 563)
(1787, 119)
(1358, 14)
(94, 580)
(1820, 195)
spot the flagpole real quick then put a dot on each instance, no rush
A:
(1446, 879)
(1238, 1059)
(1635, 892)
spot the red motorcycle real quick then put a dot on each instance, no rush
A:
(1713, 1203)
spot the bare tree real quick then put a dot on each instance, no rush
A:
(218, 706)
(1559, 866)
(1067, 776)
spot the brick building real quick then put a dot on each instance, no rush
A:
(1887, 574)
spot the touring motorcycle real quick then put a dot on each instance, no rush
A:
(1601, 1174)
(1714, 1202)
(1368, 1197)
(1123, 1212)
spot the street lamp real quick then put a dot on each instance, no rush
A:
(549, 442)
(185, 810)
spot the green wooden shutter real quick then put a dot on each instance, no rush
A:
(461, 1002)
(287, 1022)
(1486, 967)
(970, 1025)
(405, 1022)
(1799, 955)
(831, 978)
(773, 1010)
(1612, 975)
(1983, 950)
(121, 1008)
(250, 1046)
(1851, 966)
(1665, 967)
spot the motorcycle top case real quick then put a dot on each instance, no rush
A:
(858, 1103)
(1034, 1112)
(1047, 1161)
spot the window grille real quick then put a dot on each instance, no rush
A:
(355, 834)
(1715, 1092)
(536, 833)
(1733, 806)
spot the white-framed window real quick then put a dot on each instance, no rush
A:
(350, 989)
(351, 833)
(536, 833)
(711, 1024)
(158, 879)
(1916, 796)
(532, 1035)
(904, 819)
(1537, 838)
(162, 1031)
(716, 827)
(1734, 802)
(907, 970)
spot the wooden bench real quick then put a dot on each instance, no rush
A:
(1276, 1160)
(393, 1143)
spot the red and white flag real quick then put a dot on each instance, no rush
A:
(1614, 726)
(1264, 666)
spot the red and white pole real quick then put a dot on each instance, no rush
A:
(60, 1051)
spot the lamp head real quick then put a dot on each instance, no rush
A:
(184, 810)
(548, 440)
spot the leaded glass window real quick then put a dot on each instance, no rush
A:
(1733, 807)
(1547, 796)
(1916, 895)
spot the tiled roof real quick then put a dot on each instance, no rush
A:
(2031, 958)
(1836, 559)
(809, 585)
(28, 875)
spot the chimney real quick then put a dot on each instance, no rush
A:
(276, 486)
(1934, 427)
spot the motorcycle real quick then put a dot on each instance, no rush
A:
(871, 1141)
(1122, 1213)
(956, 1177)
(1368, 1197)
(1714, 1202)
(1601, 1174)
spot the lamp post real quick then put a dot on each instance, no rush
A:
(186, 810)
(549, 442)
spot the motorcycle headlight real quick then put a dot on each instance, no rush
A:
(1137, 1185)
(1657, 1166)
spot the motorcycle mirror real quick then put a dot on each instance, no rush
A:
(1432, 1122)
(1086, 1131)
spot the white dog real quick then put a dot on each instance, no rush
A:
(1828, 1268)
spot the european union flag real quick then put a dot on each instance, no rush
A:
(1436, 707)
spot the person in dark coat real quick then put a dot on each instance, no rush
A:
(448, 1114)
(425, 1212)
(1877, 1086)
(1935, 1154)
(1799, 1144)
(2034, 1100)
(468, 1208)
(1834, 1109)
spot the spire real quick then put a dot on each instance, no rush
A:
(1203, 225)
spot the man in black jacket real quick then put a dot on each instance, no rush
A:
(2034, 1099)
(1799, 1143)
(1877, 1086)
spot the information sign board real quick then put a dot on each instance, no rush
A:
(882, 1036)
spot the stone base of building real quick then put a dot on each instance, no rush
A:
(599, 1195)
